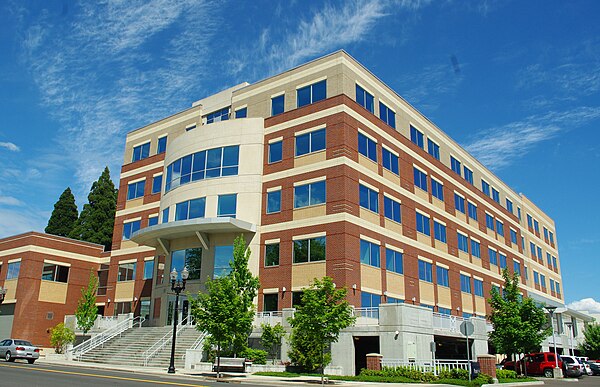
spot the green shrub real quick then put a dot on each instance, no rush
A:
(506, 374)
(60, 337)
(482, 379)
(258, 356)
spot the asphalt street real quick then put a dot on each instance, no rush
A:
(43, 375)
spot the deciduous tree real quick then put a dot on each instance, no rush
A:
(271, 338)
(87, 311)
(591, 345)
(64, 216)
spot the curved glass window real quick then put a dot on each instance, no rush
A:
(190, 258)
(211, 163)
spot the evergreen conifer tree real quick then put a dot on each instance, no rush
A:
(97, 219)
(64, 216)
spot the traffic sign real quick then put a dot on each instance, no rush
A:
(467, 328)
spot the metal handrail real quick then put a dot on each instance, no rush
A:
(196, 343)
(163, 341)
(98, 340)
(429, 365)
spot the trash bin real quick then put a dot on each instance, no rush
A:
(475, 369)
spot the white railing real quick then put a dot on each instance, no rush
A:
(196, 343)
(366, 316)
(164, 341)
(447, 322)
(269, 318)
(428, 365)
(105, 336)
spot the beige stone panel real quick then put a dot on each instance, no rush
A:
(391, 176)
(444, 296)
(422, 194)
(480, 305)
(514, 246)
(426, 293)
(490, 232)
(477, 261)
(462, 217)
(393, 226)
(395, 283)
(55, 292)
(467, 302)
(310, 212)
(425, 239)
(303, 274)
(124, 290)
(134, 203)
(11, 289)
(128, 244)
(370, 277)
(371, 216)
(368, 163)
(493, 268)
(438, 203)
(462, 255)
(441, 245)
(310, 158)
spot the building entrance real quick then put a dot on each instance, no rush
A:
(364, 345)
(183, 312)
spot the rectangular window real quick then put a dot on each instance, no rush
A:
(425, 271)
(489, 221)
(475, 249)
(499, 227)
(478, 287)
(557, 288)
(162, 145)
(367, 147)
(309, 250)
(420, 179)
(552, 289)
(472, 211)
(545, 233)
(192, 259)
(536, 226)
(217, 116)
(241, 113)
(156, 184)
(455, 165)
(423, 224)
(495, 195)
(551, 234)
(513, 236)
(442, 276)
(387, 115)
(416, 136)
(126, 272)
(141, 152)
(391, 209)
(369, 300)
(493, 257)
(312, 93)
(444, 311)
(437, 189)
(465, 283)
(227, 205)
(365, 99)
(549, 259)
(148, 269)
(554, 263)
(517, 267)
(272, 254)
(277, 105)
(394, 261)
(309, 194)
(368, 198)
(135, 190)
(539, 254)
(459, 203)
(433, 149)
(532, 249)
(165, 215)
(390, 161)
(310, 142)
(190, 127)
(273, 201)
(56, 273)
(485, 187)
(439, 231)
(153, 220)
(223, 257)
(270, 302)
(519, 213)
(463, 243)
(275, 151)
(190, 209)
(369, 253)
(129, 228)
(468, 174)
(543, 280)
(502, 261)
(509, 205)
(529, 221)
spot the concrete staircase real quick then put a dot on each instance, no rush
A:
(131, 345)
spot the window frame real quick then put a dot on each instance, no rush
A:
(312, 148)
(309, 248)
(311, 89)
(370, 253)
(417, 137)
(310, 186)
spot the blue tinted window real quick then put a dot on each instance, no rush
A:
(554, 262)
(475, 249)
(223, 257)
(493, 257)
(463, 243)
(181, 210)
(368, 198)
(241, 113)
(369, 300)
(437, 189)
(532, 249)
(156, 184)
(141, 152)
(14, 268)
(219, 115)
(153, 220)
(472, 211)
(309, 194)
(312, 93)
(365, 99)
(513, 236)
(485, 187)
(390, 160)
(420, 179)
(165, 215)
(455, 165)
(465, 283)
(310, 142)
(442, 276)
(489, 221)
(495, 195)
(227, 205)
(433, 149)
(275, 151)
(444, 311)
(536, 277)
(478, 287)
(387, 115)
(277, 105)
(416, 136)
(502, 261)
(499, 227)
(439, 231)
(367, 147)
(135, 190)
(309, 250)
(517, 267)
(459, 203)
(273, 201)
(468, 174)
(391, 209)
(425, 271)
(536, 226)
(509, 205)
(369, 253)
(529, 221)
(129, 228)
(423, 224)
(394, 261)
(148, 269)
(551, 235)
(162, 145)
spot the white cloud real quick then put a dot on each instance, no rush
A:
(10, 201)
(499, 147)
(430, 84)
(16, 221)
(10, 146)
(585, 305)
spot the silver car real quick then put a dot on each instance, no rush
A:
(11, 349)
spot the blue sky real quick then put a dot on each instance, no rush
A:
(516, 83)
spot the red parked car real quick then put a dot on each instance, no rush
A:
(541, 363)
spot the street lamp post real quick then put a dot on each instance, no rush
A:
(557, 371)
(569, 325)
(176, 286)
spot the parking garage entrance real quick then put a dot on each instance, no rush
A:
(364, 345)
(452, 348)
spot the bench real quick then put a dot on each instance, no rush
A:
(232, 364)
